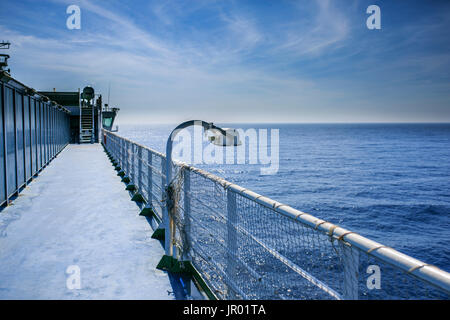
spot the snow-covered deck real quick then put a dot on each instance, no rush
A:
(77, 213)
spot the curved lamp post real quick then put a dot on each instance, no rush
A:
(167, 222)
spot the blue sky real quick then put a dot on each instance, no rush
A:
(240, 61)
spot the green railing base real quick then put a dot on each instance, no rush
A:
(159, 234)
(170, 264)
(138, 197)
(129, 187)
(126, 179)
(121, 173)
(148, 212)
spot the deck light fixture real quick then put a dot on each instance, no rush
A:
(217, 136)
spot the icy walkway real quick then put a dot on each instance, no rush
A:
(77, 212)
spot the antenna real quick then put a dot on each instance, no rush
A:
(109, 90)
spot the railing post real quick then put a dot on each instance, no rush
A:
(150, 179)
(123, 151)
(165, 218)
(117, 142)
(32, 125)
(5, 148)
(106, 138)
(93, 123)
(49, 136)
(54, 132)
(174, 199)
(122, 154)
(127, 155)
(79, 107)
(41, 152)
(111, 143)
(187, 212)
(350, 259)
(31, 138)
(118, 146)
(24, 141)
(113, 139)
(139, 176)
(36, 112)
(133, 164)
(46, 136)
(232, 246)
(50, 132)
(16, 187)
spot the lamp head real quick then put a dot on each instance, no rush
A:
(226, 137)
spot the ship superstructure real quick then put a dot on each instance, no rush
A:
(87, 113)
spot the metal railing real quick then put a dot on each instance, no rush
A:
(33, 130)
(247, 246)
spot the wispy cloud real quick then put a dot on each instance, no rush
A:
(325, 27)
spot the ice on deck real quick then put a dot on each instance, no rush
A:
(77, 212)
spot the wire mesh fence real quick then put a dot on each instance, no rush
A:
(246, 246)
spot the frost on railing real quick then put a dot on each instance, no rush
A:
(246, 246)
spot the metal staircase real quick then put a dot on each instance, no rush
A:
(87, 115)
(86, 123)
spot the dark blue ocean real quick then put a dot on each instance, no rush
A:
(388, 182)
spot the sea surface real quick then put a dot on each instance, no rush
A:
(388, 182)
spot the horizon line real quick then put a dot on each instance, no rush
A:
(299, 122)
